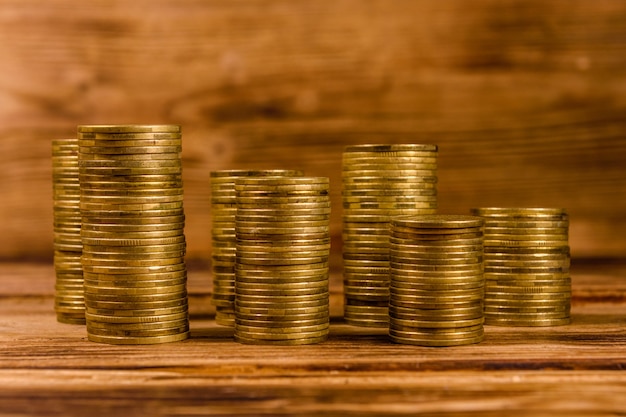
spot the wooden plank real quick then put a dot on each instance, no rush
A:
(47, 368)
(525, 98)
(50, 369)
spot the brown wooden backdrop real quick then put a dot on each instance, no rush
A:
(526, 99)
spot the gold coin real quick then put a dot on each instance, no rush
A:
(269, 334)
(278, 312)
(123, 143)
(113, 225)
(435, 302)
(525, 224)
(389, 148)
(121, 340)
(281, 333)
(563, 282)
(415, 171)
(287, 224)
(88, 200)
(535, 212)
(111, 139)
(351, 158)
(145, 285)
(140, 205)
(312, 190)
(439, 285)
(87, 164)
(127, 308)
(439, 313)
(257, 306)
(117, 129)
(503, 309)
(151, 250)
(388, 164)
(132, 235)
(132, 157)
(256, 290)
(418, 322)
(504, 295)
(152, 326)
(278, 181)
(130, 257)
(527, 322)
(132, 242)
(230, 174)
(119, 193)
(403, 266)
(127, 177)
(278, 320)
(251, 300)
(409, 295)
(291, 342)
(96, 298)
(129, 270)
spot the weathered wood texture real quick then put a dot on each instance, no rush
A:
(526, 98)
(49, 369)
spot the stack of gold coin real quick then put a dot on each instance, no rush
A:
(281, 273)
(223, 210)
(69, 300)
(436, 290)
(132, 233)
(379, 182)
(527, 259)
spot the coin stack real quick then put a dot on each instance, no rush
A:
(281, 274)
(379, 182)
(436, 289)
(223, 210)
(527, 259)
(132, 233)
(69, 302)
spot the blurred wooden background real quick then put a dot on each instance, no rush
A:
(526, 99)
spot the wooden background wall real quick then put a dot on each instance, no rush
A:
(526, 98)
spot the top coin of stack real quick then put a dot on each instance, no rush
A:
(436, 290)
(132, 233)
(527, 259)
(223, 210)
(379, 182)
(69, 300)
(283, 246)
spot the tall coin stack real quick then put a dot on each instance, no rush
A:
(436, 290)
(379, 182)
(283, 246)
(69, 300)
(132, 233)
(527, 259)
(223, 210)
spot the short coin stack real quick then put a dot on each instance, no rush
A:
(69, 299)
(223, 210)
(132, 233)
(436, 289)
(527, 259)
(283, 246)
(379, 182)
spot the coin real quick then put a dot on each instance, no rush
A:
(116, 129)
(530, 322)
(124, 340)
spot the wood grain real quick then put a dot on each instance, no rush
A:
(525, 98)
(50, 369)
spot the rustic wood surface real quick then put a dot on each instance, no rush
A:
(526, 98)
(50, 369)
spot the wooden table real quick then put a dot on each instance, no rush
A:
(48, 368)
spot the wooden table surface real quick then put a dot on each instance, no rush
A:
(48, 368)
